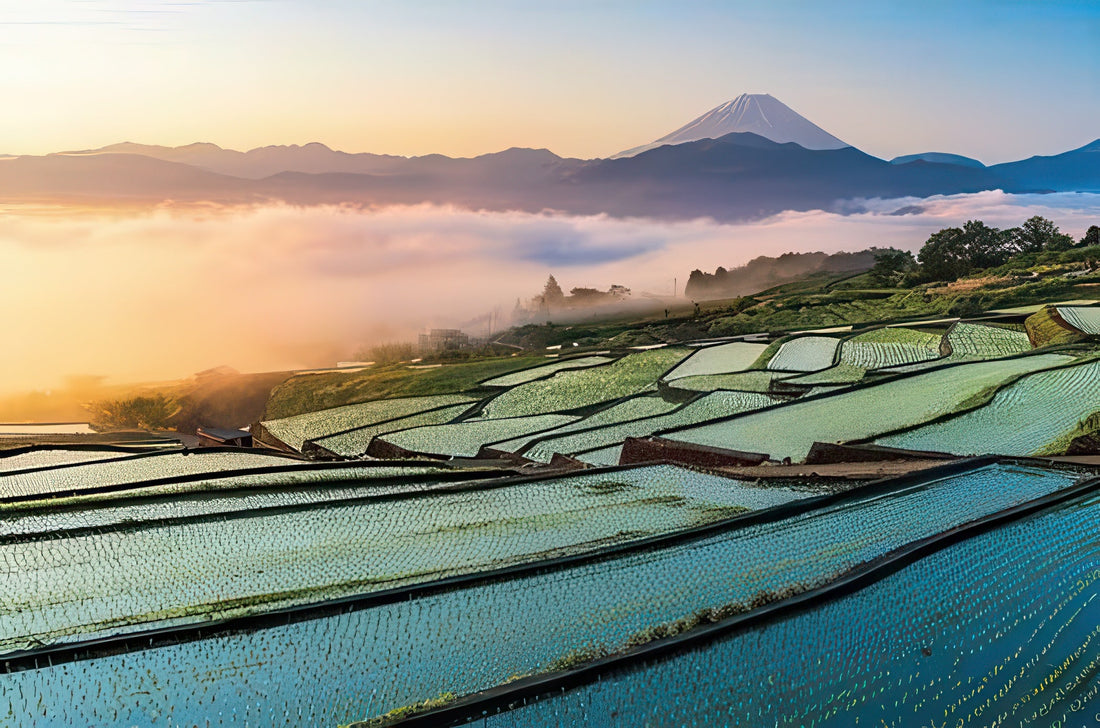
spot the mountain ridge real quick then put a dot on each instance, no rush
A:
(266, 161)
(738, 176)
(938, 158)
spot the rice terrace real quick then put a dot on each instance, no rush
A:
(573, 532)
(708, 417)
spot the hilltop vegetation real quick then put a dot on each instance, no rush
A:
(1024, 266)
(311, 392)
(765, 272)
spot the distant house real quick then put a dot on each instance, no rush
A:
(619, 291)
(443, 340)
(223, 437)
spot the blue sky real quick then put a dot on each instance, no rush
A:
(995, 80)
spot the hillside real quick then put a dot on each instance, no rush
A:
(765, 272)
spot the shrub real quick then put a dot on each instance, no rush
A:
(154, 412)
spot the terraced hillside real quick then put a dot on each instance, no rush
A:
(789, 431)
(573, 568)
(1027, 417)
(470, 551)
(568, 390)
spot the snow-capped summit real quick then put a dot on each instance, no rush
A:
(761, 114)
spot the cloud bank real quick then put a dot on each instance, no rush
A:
(163, 294)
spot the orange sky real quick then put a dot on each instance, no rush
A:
(582, 78)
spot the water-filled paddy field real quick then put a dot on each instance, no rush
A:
(789, 431)
(353, 665)
(144, 572)
(964, 636)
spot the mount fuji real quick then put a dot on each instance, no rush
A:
(761, 114)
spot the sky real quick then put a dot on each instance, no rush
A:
(584, 78)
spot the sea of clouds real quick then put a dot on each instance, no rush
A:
(157, 294)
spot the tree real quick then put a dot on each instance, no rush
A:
(1033, 235)
(552, 294)
(586, 296)
(1060, 241)
(986, 246)
(1036, 234)
(943, 256)
(953, 252)
(697, 283)
(891, 265)
(1092, 237)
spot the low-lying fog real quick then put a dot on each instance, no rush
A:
(162, 294)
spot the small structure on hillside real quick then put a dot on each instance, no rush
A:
(442, 340)
(619, 292)
(223, 437)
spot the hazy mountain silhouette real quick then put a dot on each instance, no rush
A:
(313, 158)
(115, 177)
(937, 158)
(1077, 170)
(261, 162)
(737, 176)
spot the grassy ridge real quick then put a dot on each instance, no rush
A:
(1046, 328)
(311, 392)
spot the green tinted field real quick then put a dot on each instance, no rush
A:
(712, 406)
(355, 442)
(789, 431)
(889, 347)
(630, 409)
(135, 470)
(805, 354)
(1021, 419)
(294, 431)
(604, 457)
(1085, 320)
(526, 375)
(573, 389)
(842, 373)
(722, 359)
(464, 439)
(754, 381)
(312, 392)
(138, 573)
(975, 341)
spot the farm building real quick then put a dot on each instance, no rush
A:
(443, 339)
(223, 437)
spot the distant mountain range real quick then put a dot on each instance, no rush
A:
(937, 158)
(738, 175)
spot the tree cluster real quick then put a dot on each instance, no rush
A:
(552, 297)
(955, 252)
(763, 272)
